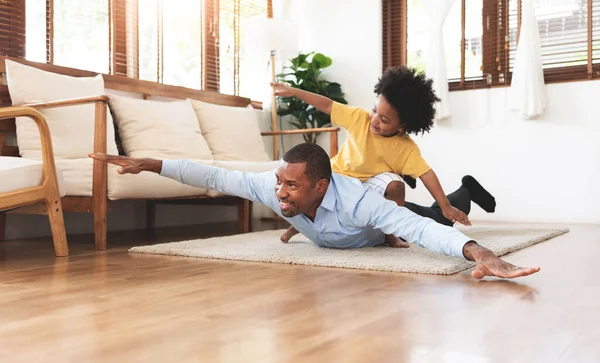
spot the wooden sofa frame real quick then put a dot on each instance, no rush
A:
(98, 203)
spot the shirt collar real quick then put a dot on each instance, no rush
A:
(329, 197)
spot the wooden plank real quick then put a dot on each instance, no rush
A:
(38, 209)
(197, 200)
(99, 182)
(81, 204)
(164, 90)
(69, 204)
(68, 102)
(301, 131)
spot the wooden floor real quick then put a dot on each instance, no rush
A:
(114, 306)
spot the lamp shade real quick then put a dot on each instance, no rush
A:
(266, 34)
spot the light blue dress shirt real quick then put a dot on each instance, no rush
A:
(350, 216)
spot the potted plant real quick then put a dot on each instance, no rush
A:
(305, 73)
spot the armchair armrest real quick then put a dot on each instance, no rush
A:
(49, 180)
(100, 169)
(333, 136)
(100, 117)
(68, 102)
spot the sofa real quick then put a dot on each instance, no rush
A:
(88, 112)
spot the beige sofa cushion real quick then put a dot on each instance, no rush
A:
(78, 180)
(78, 176)
(21, 173)
(232, 133)
(159, 129)
(148, 185)
(71, 128)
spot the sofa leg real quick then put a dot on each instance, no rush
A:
(100, 224)
(150, 219)
(244, 207)
(57, 224)
(250, 215)
(2, 226)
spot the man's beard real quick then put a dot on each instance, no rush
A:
(289, 214)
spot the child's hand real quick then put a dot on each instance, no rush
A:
(456, 215)
(282, 89)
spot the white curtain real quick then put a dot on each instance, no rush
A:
(527, 93)
(435, 66)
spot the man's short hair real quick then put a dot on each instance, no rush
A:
(317, 161)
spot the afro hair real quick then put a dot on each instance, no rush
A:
(411, 94)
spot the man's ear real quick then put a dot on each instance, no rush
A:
(322, 185)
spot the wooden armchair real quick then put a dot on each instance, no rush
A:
(23, 188)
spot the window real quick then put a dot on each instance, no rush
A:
(81, 38)
(36, 30)
(190, 43)
(148, 40)
(480, 39)
(237, 71)
(418, 39)
(12, 27)
(181, 23)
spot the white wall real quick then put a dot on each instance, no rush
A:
(350, 33)
(545, 170)
(540, 171)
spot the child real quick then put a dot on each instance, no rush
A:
(378, 147)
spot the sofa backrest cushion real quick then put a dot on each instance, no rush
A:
(72, 127)
(232, 133)
(159, 129)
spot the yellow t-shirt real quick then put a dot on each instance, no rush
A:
(364, 155)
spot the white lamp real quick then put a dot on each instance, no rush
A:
(267, 35)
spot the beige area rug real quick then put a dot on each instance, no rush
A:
(266, 247)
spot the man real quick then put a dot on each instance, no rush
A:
(331, 210)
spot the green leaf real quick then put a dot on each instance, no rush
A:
(301, 58)
(305, 73)
(323, 60)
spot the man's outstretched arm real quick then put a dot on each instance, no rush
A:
(252, 186)
(380, 213)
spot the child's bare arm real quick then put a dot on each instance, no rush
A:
(432, 183)
(319, 102)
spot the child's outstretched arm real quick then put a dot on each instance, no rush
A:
(319, 102)
(432, 183)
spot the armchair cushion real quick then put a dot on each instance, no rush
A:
(21, 173)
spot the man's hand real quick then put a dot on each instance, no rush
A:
(456, 215)
(128, 165)
(282, 89)
(488, 264)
